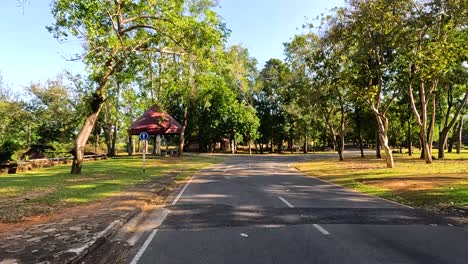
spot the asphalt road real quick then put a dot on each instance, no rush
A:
(255, 209)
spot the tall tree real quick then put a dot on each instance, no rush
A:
(116, 33)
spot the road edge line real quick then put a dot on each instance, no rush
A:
(182, 191)
(142, 250)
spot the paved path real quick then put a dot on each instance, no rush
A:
(258, 210)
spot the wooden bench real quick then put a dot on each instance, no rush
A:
(169, 152)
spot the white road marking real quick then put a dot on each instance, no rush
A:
(182, 191)
(228, 168)
(286, 202)
(153, 233)
(321, 229)
(144, 247)
(155, 221)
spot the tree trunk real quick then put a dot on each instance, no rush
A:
(306, 144)
(450, 144)
(410, 143)
(425, 152)
(340, 143)
(116, 122)
(442, 143)
(250, 148)
(443, 135)
(421, 117)
(388, 151)
(377, 145)
(130, 146)
(459, 136)
(430, 131)
(361, 147)
(182, 133)
(382, 125)
(382, 122)
(85, 131)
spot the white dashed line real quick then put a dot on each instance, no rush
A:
(286, 202)
(321, 229)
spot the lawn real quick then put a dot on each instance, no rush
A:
(444, 183)
(46, 190)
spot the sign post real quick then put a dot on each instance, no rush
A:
(144, 136)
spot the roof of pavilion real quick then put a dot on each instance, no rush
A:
(155, 122)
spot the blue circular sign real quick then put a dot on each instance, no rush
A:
(144, 136)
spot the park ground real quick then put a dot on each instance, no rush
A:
(49, 190)
(440, 186)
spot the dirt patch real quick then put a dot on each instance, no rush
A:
(401, 184)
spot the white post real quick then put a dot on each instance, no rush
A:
(144, 155)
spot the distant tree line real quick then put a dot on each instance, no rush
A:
(384, 73)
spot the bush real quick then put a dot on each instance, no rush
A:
(7, 149)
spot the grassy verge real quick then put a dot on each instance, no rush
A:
(444, 183)
(46, 190)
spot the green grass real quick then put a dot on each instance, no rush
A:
(413, 182)
(45, 190)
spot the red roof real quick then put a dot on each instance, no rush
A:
(155, 122)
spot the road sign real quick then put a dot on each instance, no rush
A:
(144, 136)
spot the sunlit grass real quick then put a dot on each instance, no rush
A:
(44, 190)
(412, 181)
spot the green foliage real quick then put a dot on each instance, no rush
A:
(7, 149)
(48, 102)
(271, 98)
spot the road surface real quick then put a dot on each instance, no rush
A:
(255, 209)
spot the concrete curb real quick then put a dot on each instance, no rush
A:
(102, 237)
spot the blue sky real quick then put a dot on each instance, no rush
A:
(29, 53)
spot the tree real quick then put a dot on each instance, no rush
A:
(374, 30)
(434, 47)
(273, 80)
(53, 112)
(117, 33)
(457, 99)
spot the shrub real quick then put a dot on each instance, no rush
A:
(7, 149)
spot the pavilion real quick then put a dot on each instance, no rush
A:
(156, 123)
